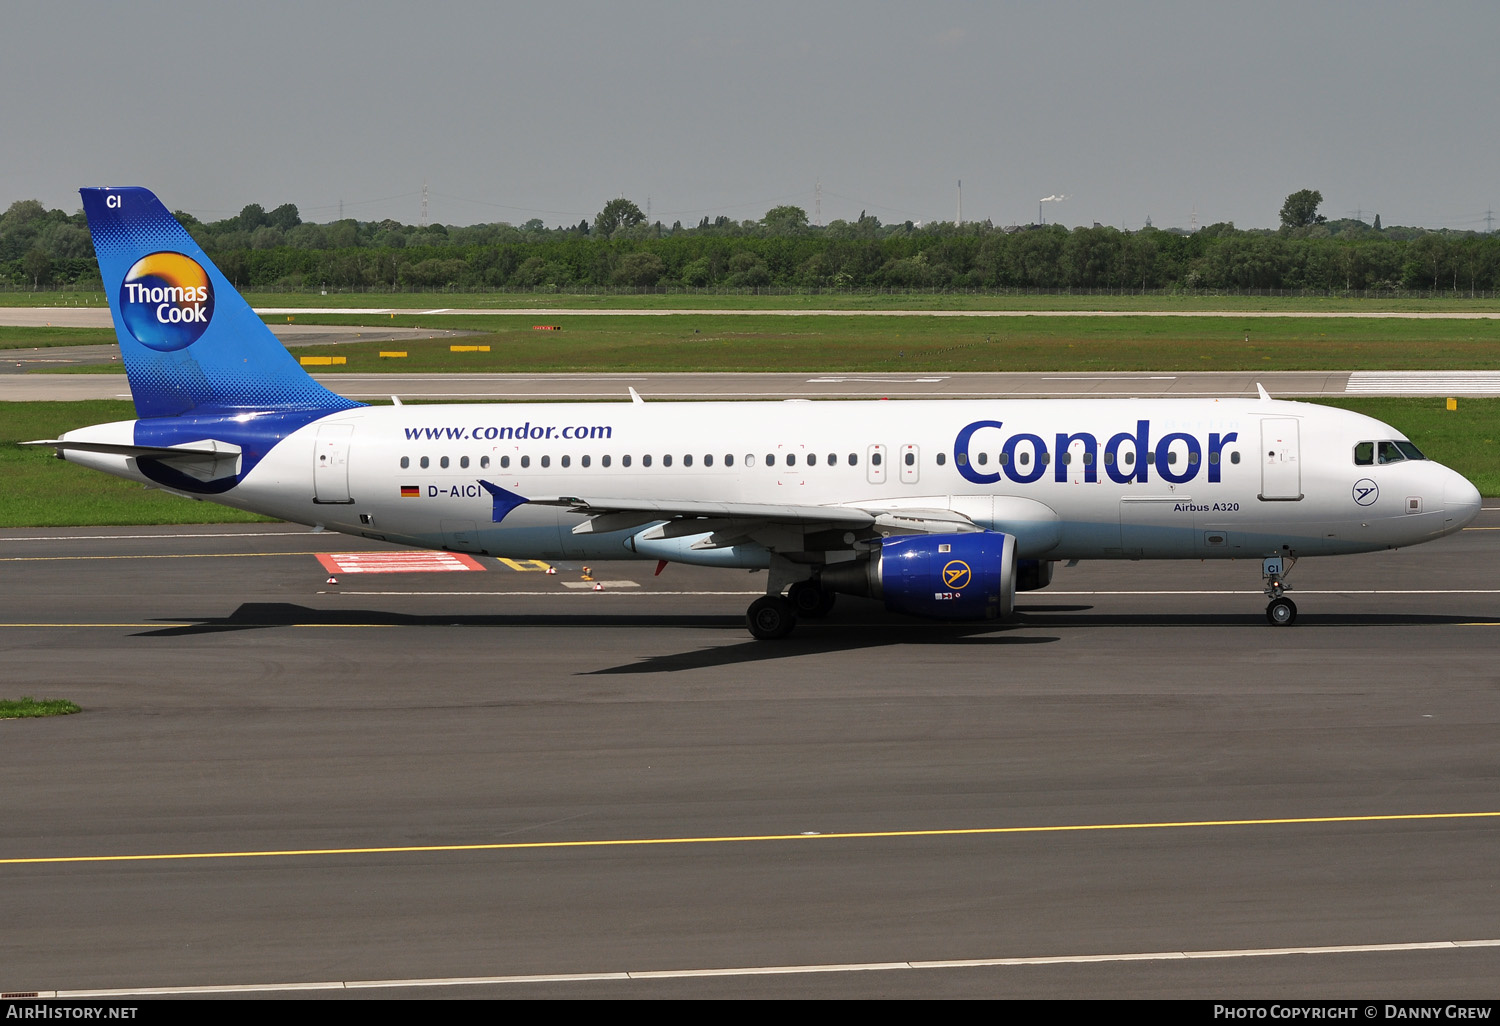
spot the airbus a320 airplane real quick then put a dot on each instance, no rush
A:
(941, 509)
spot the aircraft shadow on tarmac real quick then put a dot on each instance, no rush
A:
(856, 629)
(813, 637)
(268, 615)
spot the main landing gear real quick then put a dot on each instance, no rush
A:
(771, 617)
(811, 599)
(775, 616)
(1282, 611)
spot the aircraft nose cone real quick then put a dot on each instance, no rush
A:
(1461, 500)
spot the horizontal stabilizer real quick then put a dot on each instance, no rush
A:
(203, 460)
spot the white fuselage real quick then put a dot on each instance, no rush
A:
(1222, 478)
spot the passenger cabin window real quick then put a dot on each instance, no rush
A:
(484, 463)
(463, 461)
(504, 462)
(405, 462)
(424, 462)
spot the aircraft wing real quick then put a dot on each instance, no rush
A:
(733, 521)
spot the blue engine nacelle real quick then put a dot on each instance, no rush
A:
(942, 576)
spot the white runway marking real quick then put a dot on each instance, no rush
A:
(202, 535)
(1425, 382)
(836, 380)
(781, 970)
(584, 589)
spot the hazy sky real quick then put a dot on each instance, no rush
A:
(516, 110)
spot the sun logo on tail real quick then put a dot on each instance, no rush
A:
(166, 301)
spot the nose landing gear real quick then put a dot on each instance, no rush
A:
(1282, 611)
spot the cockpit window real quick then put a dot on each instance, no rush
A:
(1368, 453)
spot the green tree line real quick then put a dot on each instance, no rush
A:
(275, 249)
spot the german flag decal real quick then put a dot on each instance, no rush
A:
(410, 491)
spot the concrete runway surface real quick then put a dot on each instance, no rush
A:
(503, 783)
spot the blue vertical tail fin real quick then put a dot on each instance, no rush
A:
(190, 343)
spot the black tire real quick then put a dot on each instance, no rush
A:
(1281, 612)
(771, 618)
(810, 600)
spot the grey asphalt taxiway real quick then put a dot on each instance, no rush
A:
(505, 783)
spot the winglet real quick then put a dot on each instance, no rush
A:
(1265, 396)
(635, 396)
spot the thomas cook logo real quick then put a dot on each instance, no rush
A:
(956, 574)
(166, 301)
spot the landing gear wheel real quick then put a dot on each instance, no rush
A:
(770, 618)
(1281, 612)
(811, 600)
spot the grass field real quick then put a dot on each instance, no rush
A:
(42, 491)
(729, 342)
(806, 301)
(45, 338)
(31, 708)
(724, 342)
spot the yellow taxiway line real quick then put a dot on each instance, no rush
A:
(638, 842)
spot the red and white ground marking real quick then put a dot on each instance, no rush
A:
(414, 562)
